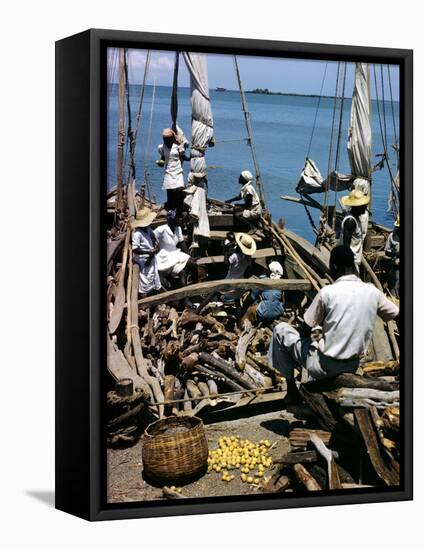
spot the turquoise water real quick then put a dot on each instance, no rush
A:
(282, 128)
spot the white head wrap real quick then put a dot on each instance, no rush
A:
(276, 270)
(246, 175)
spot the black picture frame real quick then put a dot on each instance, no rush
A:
(80, 309)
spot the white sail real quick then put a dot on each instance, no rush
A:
(311, 180)
(201, 134)
(360, 132)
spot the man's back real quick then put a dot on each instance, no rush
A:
(347, 312)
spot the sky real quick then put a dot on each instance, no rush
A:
(277, 74)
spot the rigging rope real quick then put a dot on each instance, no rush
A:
(383, 136)
(247, 118)
(130, 131)
(317, 110)
(341, 115)
(147, 150)
(393, 110)
(325, 202)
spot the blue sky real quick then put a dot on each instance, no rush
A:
(279, 75)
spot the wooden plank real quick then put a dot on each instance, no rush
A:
(387, 475)
(259, 253)
(224, 285)
(221, 220)
(318, 405)
(218, 235)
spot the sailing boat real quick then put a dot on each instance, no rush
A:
(147, 335)
(359, 147)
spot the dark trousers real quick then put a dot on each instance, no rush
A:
(175, 200)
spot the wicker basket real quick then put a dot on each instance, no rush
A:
(175, 450)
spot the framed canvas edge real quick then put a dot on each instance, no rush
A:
(99, 38)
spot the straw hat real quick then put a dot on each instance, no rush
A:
(355, 198)
(144, 217)
(246, 243)
(397, 221)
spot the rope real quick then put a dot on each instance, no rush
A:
(383, 138)
(174, 98)
(247, 118)
(130, 132)
(325, 203)
(147, 150)
(341, 116)
(392, 108)
(317, 110)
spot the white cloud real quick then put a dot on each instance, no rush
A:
(162, 63)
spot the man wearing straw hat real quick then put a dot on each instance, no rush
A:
(172, 155)
(355, 223)
(239, 249)
(144, 248)
(392, 250)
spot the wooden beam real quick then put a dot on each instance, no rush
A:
(259, 253)
(311, 204)
(224, 285)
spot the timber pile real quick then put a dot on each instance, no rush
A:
(353, 440)
(180, 360)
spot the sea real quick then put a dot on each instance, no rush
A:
(282, 128)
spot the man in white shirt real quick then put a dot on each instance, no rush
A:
(251, 208)
(355, 223)
(172, 155)
(347, 311)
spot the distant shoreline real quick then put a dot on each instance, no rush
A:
(266, 91)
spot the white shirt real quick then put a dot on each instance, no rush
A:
(149, 278)
(347, 311)
(174, 174)
(249, 189)
(238, 264)
(358, 236)
(170, 258)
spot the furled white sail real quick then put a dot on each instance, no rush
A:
(202, 134)
(360, 132)
(311, 180)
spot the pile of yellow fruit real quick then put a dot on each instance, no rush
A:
(234, 453)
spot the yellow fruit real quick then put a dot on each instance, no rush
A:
(249, 479)
(243, 477)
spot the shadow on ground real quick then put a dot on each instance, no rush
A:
(46, 497)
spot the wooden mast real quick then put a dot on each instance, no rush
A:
(121, 128)
(247, 119)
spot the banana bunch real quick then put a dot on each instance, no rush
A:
(234, 453)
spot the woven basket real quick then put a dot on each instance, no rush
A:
(175, 450)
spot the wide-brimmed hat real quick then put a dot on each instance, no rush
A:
(246, 243)
(144, 217)
(355, 198)
(397, 222)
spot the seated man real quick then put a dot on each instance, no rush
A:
(145, 248)
(173, 258)
(347, 311)
(267, 304)
(251, 208)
